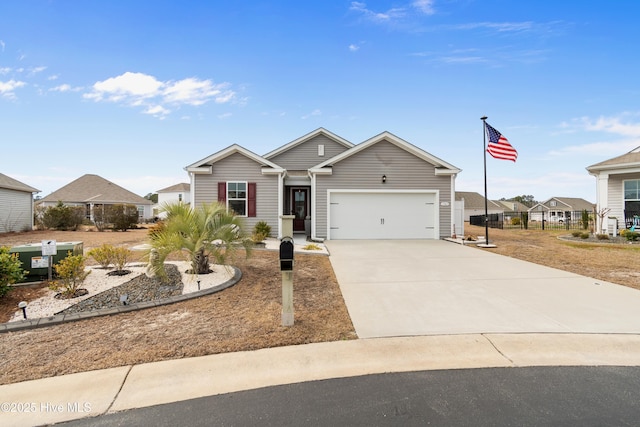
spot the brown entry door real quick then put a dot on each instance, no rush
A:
(299, 207)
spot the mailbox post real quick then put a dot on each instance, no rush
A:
(286, 268)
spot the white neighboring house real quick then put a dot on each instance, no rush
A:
(176, 193)
(16, 205)
(618, 189)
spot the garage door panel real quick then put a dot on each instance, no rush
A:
(382, 215)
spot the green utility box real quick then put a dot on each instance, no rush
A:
(37, 264)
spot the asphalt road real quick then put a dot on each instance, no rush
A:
(536, 396)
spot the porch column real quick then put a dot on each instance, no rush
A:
(602, 197)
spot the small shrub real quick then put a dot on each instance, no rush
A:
(311, 247)
(123, 217)
(258, 237)
(10, 270)
(71, 275)
(585, 219)
(632, 236)
(262, 228)
(515, 221)
(121, 257)
(584, 235)
(102, 255)
(576, 233)
(602, 236)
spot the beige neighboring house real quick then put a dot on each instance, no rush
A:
(93, 192)
(474, 204)
(618, 189)
(176, 193)
(560, 209)
(16, 205)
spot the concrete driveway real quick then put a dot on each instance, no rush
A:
(427, 287)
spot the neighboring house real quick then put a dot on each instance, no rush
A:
(474, 204)
(382, 188)
(94, 192)
(618, 188)
(512, 206)
(176, 193)
(559, 209)
(16, 205)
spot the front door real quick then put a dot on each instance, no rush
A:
(299, 207)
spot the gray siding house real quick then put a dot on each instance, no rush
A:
(16, 205)
(382, 188)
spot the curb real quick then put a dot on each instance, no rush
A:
(73, 317)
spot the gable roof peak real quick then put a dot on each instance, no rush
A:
(307, 137)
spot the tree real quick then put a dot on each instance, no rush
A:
(152, 196)
(527, 200)
(203, 232)
(122, 217)
(63, 217)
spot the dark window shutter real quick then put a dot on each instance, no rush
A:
(251, 199)
(222, 192)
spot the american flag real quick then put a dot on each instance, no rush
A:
(499, 146)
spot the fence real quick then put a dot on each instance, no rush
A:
(523, 220)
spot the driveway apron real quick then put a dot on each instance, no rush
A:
(430, 287)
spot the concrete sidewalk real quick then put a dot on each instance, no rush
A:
(94, 393)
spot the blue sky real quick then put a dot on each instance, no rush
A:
(136, 90)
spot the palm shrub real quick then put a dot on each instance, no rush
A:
(71, 274)
(207, 231)
(10, 270)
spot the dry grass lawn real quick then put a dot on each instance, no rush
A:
(247, 315)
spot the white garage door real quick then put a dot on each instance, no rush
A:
(396, 215)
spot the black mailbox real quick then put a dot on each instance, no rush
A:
(286, 254)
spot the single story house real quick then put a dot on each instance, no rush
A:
(618, 189)
(16, 205)
(560, 209)
(382, 188)
(93, 192)
(474, 204)
(173, 194)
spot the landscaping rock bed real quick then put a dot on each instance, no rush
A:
(138, 289)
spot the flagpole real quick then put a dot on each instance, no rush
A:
(486, 205)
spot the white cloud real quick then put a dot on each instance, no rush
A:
(354, 47)
(5, 70)
(62, 88)
(7, 89)
(224, 116)
(143, 90)
(157, 111)
(53, 77)
(613, 125)
(315, 112)
(2, 45)
(424, 6)
(377, 17)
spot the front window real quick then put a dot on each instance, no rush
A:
(237, 197)
(632, 199)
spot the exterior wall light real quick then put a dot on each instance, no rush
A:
(384, 178)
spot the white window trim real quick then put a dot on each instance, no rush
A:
(246, 198)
